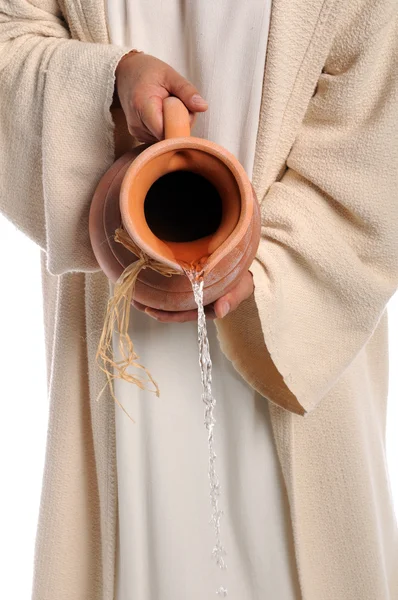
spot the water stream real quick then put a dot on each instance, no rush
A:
(218, 552)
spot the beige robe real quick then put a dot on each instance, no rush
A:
(313, 339)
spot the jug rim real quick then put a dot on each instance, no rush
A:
(246, 191)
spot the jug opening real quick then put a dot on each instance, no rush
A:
(180, 205)
(183, 206)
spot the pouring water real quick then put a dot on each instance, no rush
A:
(218, 552)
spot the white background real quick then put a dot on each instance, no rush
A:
(23, 427)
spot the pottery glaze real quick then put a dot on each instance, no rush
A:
(184, 201)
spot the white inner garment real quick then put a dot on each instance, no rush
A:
(165, 539)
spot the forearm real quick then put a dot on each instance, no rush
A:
(56, 131)
(327, 263)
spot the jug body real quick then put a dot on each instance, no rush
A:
(183, 201)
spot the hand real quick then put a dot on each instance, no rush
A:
(219, 309)
(142, 83)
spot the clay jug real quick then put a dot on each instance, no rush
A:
(183, 201)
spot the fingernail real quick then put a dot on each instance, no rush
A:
(150, 313)
(224, 309)
(198, 100)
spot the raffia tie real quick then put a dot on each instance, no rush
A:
(122, 297)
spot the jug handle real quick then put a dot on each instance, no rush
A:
(175, 118)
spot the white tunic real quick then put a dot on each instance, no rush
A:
(165, 539)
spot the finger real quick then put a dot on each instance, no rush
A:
(178, 86)
(166, 316)
(192, 119)
(143, 136)
(149, 111)
(210, 312)
(151, 115)
(151, 119)
(138, 305)
(238, 294)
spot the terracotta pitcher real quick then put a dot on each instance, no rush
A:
(183, 201)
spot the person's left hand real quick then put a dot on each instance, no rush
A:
(216, 310)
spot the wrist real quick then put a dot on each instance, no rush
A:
(116, 99)
(128, 55)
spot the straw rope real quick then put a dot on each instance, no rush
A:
(121, 300)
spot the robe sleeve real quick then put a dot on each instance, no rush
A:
(327, 263)
(55, 130)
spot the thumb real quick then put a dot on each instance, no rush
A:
(238, 294)
(151, 115)
(178, 86)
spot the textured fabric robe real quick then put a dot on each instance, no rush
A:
(313, 339)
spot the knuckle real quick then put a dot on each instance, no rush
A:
(184, 87)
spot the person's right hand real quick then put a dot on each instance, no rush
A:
(142, 83)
